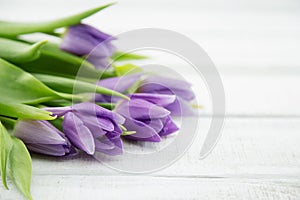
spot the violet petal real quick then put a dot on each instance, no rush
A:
(143, 131)
(35, 131)
(169, 127)
(78, 133)
(141, 109)
(87, 108)
(158, 99)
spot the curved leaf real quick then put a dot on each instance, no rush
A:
(19, 86)
(5, 147)
(54, 61)
(122, 56)
(13, 29)
(19, 166)
(22, 111)
(18, 52)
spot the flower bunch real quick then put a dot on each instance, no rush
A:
(48, 108)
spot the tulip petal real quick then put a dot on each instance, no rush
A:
(119, 84)
(158, 99)
(163, 85)
(97, 33)
(83, 39)
(100, 63)
(109, 146)
(90, 109)
(103, 49)
(77, 42)
(42, 137)
(143, 131)
(141, 109)
(59, 111)
(103, 144)
(181, 108)
(35, 131)
(161, 82)
(156, 124)
(47, 149)
(168, 127)
(115, 138)
(94, 123)
(78, 133)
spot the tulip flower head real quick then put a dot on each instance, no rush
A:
(120, 84)
(180, 88)
(83, 40)
(92, 128)
(149, 121)
(42, 137)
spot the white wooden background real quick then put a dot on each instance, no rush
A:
(256, 47)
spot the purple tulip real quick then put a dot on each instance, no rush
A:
(180, 88)
(163, 100)
(42, 137)
(85, 40)
(150, 121)
(92, 128)
(120, 84)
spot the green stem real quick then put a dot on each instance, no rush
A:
(71, 96)
(67, 85)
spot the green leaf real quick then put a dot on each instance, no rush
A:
(54, 61)
(21, 87)
(19, 167)
(18, 86)
(22, 111)
(127, 69)
(13, 29)
(15, 161)
(18, 52)
(75, 86)
(122, 56)
(5, 147)
(52, 50)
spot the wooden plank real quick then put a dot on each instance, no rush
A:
(262, 94)
(248, 148)
(140, 187)
(252, 93)
(255, 159)
(261, 36)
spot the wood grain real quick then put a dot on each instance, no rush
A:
(140, 187)
(249, 147)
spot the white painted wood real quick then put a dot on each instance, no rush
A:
(248, 148)
(253, 93)
(240, 34)
(140, 187)
(257, 158)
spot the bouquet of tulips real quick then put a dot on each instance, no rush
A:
(58, 99)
